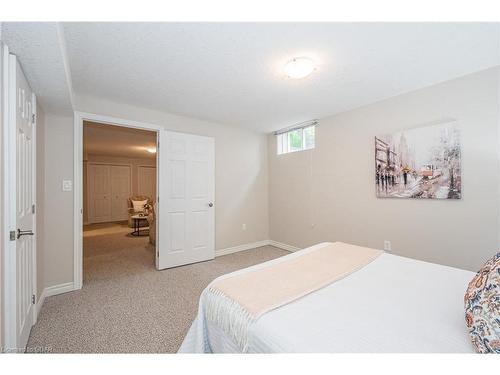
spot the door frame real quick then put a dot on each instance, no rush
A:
(9, 217)
(88, 181)
(79, 118)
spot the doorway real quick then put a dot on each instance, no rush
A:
(185, 182)
(119, 199)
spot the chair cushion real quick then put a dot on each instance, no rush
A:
(482, 307)
(139, 205)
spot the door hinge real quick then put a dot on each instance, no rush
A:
(33, 118)
(33, 299)
(33, 209)
(12, 235)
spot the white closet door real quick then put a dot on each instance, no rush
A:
(99, 194)
(120, 191)
(186, 207)
(147, 181)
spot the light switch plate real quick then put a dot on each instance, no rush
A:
(67, 185)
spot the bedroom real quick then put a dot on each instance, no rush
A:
(306, 163)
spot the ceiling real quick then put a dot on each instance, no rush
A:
(117, 141)
(39, 49)
(232, 73)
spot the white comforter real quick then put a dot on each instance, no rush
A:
(393, 304)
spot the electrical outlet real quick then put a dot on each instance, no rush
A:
(387, 245)
(243, 226)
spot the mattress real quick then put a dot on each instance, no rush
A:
(394, 304)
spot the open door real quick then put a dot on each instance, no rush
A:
(186, 206)
(20, 255)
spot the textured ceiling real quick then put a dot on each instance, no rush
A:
(232, 72)
(100, 139)
(41, 55)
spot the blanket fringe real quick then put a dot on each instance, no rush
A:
(229, 315)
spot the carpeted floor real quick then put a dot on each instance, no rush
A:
(126, 305)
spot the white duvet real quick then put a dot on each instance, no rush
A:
(393, 304)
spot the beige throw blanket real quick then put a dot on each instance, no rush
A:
(236, 301)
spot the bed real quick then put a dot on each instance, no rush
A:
(392, 304)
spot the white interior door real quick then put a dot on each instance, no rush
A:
(25, 192)
(186, 206)
(99, 193)
(121, 191)
(146, 181)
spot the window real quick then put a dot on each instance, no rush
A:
(296, 139)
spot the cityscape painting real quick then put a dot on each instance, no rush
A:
(419, 163)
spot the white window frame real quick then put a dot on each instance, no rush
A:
(282, 140)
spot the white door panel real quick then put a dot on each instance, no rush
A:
(187, 192)
(24, 109)
(177, 180)
(99, 193)
(109, 187)
(120, 191)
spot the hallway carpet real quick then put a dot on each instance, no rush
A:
(126, 305)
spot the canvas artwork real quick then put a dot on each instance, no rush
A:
(419, 163)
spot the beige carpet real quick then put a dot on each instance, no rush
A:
(126, 305)
(93, 230)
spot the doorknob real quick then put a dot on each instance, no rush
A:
(210, 204)
(24, 233)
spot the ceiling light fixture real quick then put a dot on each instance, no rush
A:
(299, 67)
(151, 150)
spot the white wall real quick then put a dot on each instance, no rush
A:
(241, 180)
(328, 194)
(58, 212)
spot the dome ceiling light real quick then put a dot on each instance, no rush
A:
(299, 67)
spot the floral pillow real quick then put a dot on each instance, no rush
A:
(482, 307)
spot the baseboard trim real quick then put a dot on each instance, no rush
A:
(235, 249)
(284, 246)
(253, 245)
(39, 303)
(52, 291)
(59, 289)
